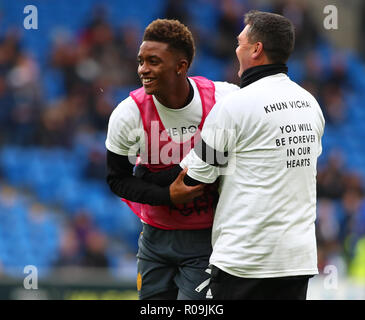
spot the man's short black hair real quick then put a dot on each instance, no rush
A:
(274, 31)
(174, 33)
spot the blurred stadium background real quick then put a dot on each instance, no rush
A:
(60, 82)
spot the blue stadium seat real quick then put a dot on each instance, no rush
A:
(208, 66)
(69, 193)
(296, 70)
(121, 93)
(204, 14)
(53, 83)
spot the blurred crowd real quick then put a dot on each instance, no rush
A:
(97, 68)
(82, 244)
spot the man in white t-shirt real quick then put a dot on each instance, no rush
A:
(160, 123)
(263, 141)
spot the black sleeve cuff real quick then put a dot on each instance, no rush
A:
(191, 182)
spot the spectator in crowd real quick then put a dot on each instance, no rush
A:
(7, 102)
(70, 255)
(82, 244)
(94, 255)
(177, 10)
(361, 14)
(306, 32)
(229, 26)
(352, 229)
(330, 179)
(334, 105)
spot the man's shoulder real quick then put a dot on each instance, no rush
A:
(125, 105)
(224, 85)
(217, 84)
(303, 90)
(222, 89)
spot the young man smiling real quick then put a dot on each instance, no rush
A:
(160, 123)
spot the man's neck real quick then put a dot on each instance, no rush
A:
(258, 72)
(177, 97)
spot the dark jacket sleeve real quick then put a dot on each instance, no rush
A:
(122, 183)
(165, 177)
(162, 178)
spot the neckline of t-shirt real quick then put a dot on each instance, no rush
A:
(159, 105)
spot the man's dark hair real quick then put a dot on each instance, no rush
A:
(174, 33)
(274, 31)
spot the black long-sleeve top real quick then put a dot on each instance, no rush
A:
(124, 184)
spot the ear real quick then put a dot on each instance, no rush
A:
(182, 66)
(258, 50)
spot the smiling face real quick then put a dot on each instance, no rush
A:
(158, 67)
(244, 51)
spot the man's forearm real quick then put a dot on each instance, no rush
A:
(122, 183)
(136, 190)
(165, 177)
(161, 178)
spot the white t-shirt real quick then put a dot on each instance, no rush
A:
(264, 222)
(125, 130)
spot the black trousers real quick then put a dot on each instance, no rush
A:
(173, 264)
(224, 286)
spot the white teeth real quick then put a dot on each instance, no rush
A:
(146, 80)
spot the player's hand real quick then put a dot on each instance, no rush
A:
(181, 193)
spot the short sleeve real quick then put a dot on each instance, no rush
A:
(198, 169)
(219, 130)
(219, 133)
(125, 130)
(222, 88)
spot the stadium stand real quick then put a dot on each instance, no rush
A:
(59, 84)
